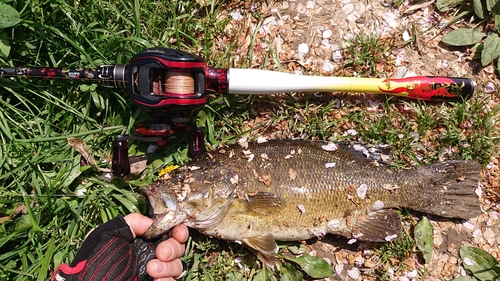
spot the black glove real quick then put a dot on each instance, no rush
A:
(110, 253)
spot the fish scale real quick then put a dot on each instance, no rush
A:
(296, 192)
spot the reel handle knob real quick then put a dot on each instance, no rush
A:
(120, 164)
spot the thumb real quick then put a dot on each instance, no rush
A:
(138, 223)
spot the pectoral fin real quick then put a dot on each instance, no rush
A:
(264, 247)
(377, 226)
(263, 202)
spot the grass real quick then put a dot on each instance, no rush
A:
(44, 221)
(368, 54)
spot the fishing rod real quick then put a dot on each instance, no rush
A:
(172, 85)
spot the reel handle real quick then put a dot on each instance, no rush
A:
(120, 164)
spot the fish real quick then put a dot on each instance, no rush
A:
(291, 190)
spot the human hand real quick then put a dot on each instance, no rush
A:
(167, 266)
(112, 252)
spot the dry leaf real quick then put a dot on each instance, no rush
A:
(292, 173)
(82, 148)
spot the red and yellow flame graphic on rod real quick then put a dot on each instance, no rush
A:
(423, 87)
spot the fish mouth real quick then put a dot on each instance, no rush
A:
(149, 204)
(159, 204)
(164, 210)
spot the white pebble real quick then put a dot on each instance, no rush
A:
(377, 205)
(194, 168)
(490, 87)
(336, 54)
(350, 132)
(261, 139)
(476, 233)
(469, 225)
(330, 165)
(236, 16)
(108, 177)
(442, 63)
(80, 192)
(469, 262)
(479, 191)
(330, 146)
(412, 274)
(328, 66)
(325, 43)
(361, 191)
(303, 48)
(352, 241)
(301, 9)
(250, 157)
(339, 268)
(406, 35)
(353, 273)
(327, 33)
(348, 8)
(391, 237)
(352, 17)
(357, 235)
(390, 19)
(333, 224)
(310, 4)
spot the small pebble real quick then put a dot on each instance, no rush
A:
(353, 273)
(490, 87)
(391, 237)
(330, 146)
(406, 35)
(330, 165)
(339, 268)
(361, 191)
(377, 205)
(327, 34)
(333, 224)
(328, 66)
(303, 48)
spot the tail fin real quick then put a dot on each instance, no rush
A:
(449, 189)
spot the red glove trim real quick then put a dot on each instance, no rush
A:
(68, 269)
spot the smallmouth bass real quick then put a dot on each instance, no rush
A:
(298, 189)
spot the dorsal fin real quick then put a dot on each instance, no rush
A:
(367, 153)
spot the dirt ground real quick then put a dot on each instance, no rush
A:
(308, 36)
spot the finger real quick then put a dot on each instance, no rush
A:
(159, 269)
(180, 233)
(138, 223)
(169, 250)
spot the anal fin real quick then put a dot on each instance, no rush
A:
(377, 226)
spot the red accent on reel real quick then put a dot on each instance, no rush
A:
(172, 101)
